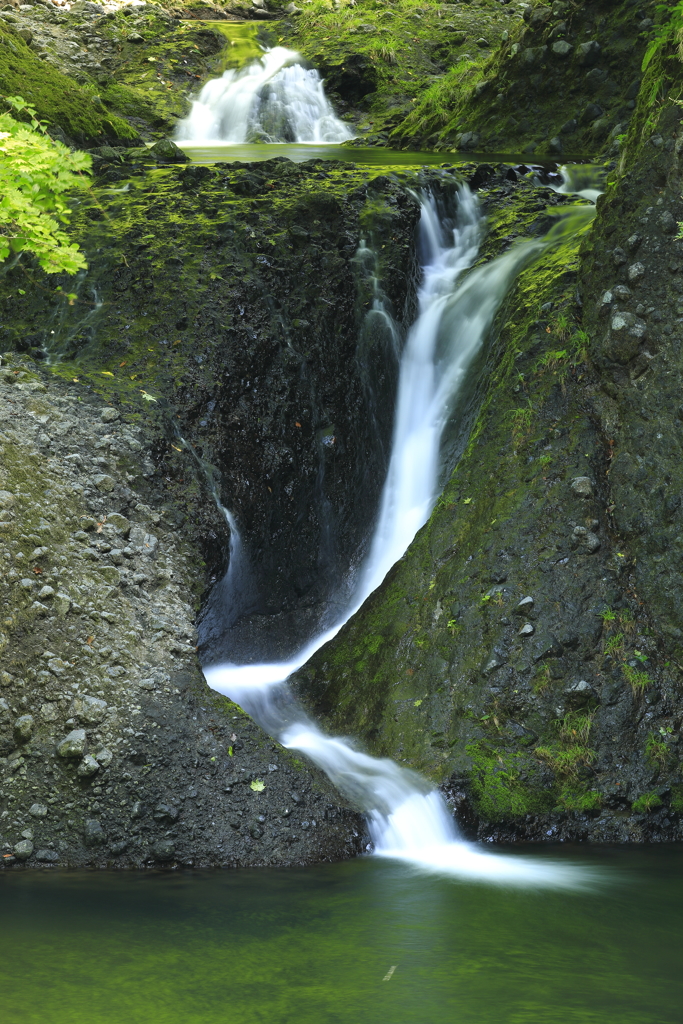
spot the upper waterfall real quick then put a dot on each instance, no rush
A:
(274, 99)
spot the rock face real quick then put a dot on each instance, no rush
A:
(246, 323)
(114, 751)
(564, 723)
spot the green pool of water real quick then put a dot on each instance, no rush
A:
(315, 945)
(373, 156)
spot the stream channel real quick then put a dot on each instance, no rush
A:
(429, 928)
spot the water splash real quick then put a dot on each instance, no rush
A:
(407, 819)
(273, 100)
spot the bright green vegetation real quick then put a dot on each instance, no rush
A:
(314, 946)
(637, 680)
(515, 100)
(646, 803)
(57, 99)
(395, 51)
(500, 782)
(657, 751)
(35, 174)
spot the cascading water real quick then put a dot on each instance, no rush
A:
(407, 818)
(274, 99)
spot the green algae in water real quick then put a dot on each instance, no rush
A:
(315, 945)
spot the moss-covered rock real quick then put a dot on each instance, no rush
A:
(57, 99)
(563, 82)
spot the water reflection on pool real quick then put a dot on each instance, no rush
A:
(364, 941)
(377, 156)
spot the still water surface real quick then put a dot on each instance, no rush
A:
(373, 156)
(314, 945)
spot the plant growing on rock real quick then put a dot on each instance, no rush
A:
(638, 681)
(579, 343)
(646, 803)
(657, 751)
(566, 763)
(575, 726)
(520, 420)
(35, 174)
(614, 645)
(573, 799)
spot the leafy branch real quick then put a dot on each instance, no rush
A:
(36, 172)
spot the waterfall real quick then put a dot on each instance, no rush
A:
(407, 818)
(274, 99)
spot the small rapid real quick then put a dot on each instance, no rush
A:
(273, 100)
(407, 818)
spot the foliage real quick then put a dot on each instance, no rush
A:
(566, 762)
(35, 173)
(579, 342)
(615, 644)
(646, 803)
(498, 783)
(657, 751)
(257, 786)
(638, 681)
(521, 420)
(437, 104)
(573, 799)
(57, 98)
(575, 726)
(669, 31)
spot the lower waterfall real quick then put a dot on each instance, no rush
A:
(407, 818)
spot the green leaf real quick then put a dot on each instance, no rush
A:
(36, 172)
(258, 786)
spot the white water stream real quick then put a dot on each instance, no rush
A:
(407, 818)
(274, 99)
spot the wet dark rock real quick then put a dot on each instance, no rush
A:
(47, 856)
(23, 728)
(163, 850)
(561, 48)
(166, 812)
(93, 833)
(588, 53)
(352, 80)
(583, 486)
(667, 223)
(166, 151)
(73, 745)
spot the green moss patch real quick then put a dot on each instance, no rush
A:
(57, 98)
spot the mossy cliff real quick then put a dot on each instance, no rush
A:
(525, 652)
(564, 81)
(226, 306)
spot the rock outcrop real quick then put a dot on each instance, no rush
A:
(113, 751)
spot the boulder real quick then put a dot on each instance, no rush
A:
(73, 745)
